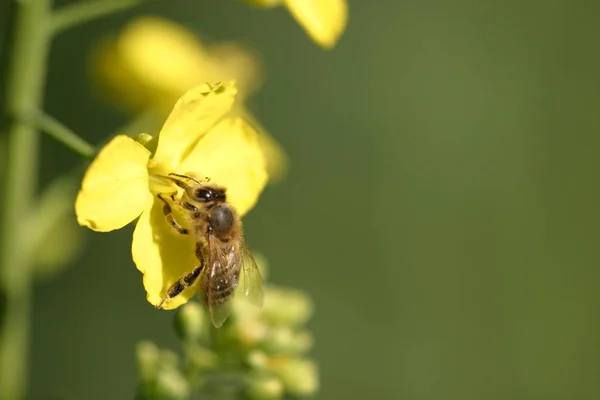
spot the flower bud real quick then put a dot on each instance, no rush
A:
(263, 387)
(299, 376)
(168, 359)
(247, 330)
(288, 341)
(55, 251)
(171, 385)
(148, 141)
(286, 307)
(257, 360)
(56, 241)
(143, 138)
(201, 359)
(148, 356)
(190, 322)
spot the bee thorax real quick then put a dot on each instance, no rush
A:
(221, 219)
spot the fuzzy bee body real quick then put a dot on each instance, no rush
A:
(221, 249)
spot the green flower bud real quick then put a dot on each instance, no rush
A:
(160, 377)
(299, 376)
(148, 360)
(56, 239)
(191, 323)
(143, 138)
(201, 359)
(171, 385)
(148, 141)
(248, 331)
(168, 359)
(263, 387)
(54, 253)
(257, 360)
(286, 307)
(288, 341)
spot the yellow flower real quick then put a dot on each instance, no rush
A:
(153, 61)
(323, 20)
(122, 183)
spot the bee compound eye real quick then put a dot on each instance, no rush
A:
(203, 194)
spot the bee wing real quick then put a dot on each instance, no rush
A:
(221, 279)
(252, 284)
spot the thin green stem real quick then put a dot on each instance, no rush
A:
(48, 124)
(83, 11)
(24, 92)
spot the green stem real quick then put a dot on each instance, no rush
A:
(83, 11)
(61, 133)
(25, 81)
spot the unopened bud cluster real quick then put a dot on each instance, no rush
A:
(160, 376)
(263, 351)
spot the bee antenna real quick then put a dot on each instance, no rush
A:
(189, 177)
(184, 177)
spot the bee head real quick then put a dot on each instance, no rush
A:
(205, 194)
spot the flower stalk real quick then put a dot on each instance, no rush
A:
(25, 84)
(83, 11)
(48, 124)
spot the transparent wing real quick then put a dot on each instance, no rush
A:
(252, 281)
(221, 279)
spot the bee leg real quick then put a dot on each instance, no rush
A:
(185, 282)
(189, 206)
(169, 217)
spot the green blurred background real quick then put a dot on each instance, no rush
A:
(441, 207)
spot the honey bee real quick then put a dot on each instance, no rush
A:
(221, 249)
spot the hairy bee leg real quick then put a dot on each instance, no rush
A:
(189, 206)
(169, 217)
(185, 282)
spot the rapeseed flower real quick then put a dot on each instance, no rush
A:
(200, 136)
(153, 61)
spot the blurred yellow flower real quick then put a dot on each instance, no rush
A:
(153, 61)
(122, 183)
(323, 20)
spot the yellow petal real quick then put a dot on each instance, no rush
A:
(276, 158)
(323, 20)
(114, 190)
(163, 255)
(197, 111)
(231, 156)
